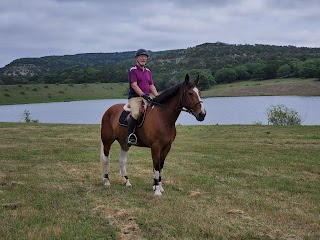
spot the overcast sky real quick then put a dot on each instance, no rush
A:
(36, 28)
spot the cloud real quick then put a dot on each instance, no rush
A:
(36, 28)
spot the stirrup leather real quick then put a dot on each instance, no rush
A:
(132, 139)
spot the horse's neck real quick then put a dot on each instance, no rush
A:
(172, 109)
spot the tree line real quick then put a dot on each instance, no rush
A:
(215, 62)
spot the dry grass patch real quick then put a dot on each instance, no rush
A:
(122, 219)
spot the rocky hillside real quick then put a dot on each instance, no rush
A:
(248, 62)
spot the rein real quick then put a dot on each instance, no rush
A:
(179, 109)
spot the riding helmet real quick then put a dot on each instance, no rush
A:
(141, 52)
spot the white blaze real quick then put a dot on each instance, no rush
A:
(196, 90)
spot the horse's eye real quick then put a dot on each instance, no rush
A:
(190, 93)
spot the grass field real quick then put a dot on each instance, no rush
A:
(273, 87)
(221, 182)
(36, 93)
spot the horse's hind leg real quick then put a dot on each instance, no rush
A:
(123, 169)
(105, 160)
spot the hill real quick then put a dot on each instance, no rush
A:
(215, 62)
(49, 64)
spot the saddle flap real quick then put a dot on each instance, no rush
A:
(126, 113)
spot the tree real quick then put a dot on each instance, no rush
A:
(295, 64)
(242, 72)
(309, 69)
(256, 69)
(225, 75)
(270, 70)
(284, 71)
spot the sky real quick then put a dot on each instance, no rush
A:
(37, 28)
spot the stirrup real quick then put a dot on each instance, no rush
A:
(132, 139)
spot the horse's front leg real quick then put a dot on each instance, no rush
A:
(156, 170)
(123, 169)
(160, 183)
(163, 155)
(156, 182)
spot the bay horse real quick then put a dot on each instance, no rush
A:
(157, 132)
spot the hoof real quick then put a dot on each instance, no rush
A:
(157, 191)
(128, 184)
(160, 188)
(106, 182)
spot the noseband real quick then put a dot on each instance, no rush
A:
(190, 110)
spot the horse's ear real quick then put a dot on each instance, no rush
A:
(186, 79)
(196, 82)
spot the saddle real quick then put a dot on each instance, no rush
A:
(126, 113)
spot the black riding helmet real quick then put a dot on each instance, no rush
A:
(141, 52)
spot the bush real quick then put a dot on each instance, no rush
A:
(281, 115)
(27, 117)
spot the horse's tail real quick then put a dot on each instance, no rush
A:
(101, 152)
(101, 158)
(102, 155)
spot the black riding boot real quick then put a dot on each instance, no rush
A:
(131, 137)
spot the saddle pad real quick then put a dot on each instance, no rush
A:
(125, 115)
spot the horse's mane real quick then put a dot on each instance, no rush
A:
(171, 92)
(167, 94)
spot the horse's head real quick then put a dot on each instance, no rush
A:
(191, 99)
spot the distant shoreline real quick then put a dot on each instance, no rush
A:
(45, 93)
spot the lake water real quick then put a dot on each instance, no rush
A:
(220, 110)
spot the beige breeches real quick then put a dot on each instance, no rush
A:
(135, 104)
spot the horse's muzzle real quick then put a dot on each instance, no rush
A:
(200, 117)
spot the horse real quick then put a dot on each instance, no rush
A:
(157, 132)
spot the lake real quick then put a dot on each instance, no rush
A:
(220, 110)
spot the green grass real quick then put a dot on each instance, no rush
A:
(36, 93)
(221, 182)
(273, 87)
